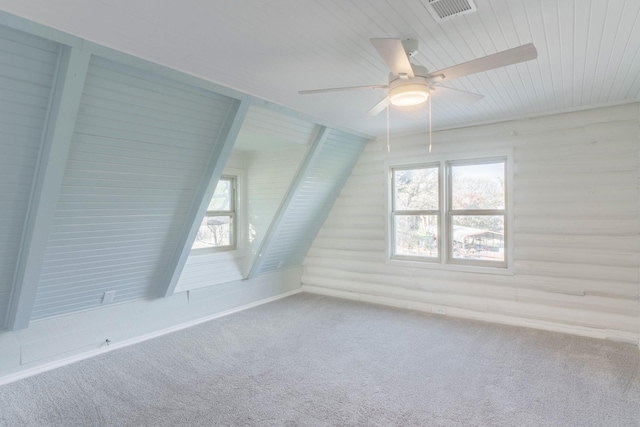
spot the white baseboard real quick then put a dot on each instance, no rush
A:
(620, 336)
(104, 349)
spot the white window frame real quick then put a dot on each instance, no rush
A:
(445, 259)
(396, 212)
(450, 212)
(237, 215)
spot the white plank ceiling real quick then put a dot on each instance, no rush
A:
(588, 50)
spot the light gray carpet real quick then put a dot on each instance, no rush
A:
(310, 360)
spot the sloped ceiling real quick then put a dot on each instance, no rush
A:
(109, 164)
(265, 129)
(588, 50)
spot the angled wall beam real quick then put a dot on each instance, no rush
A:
(219, 156)
(297, 182)
(56, 140)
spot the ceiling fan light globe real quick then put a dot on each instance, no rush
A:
(408, 95)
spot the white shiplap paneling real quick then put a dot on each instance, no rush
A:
(309, 200)
(265, 129)
(588, 51)
(268, 151)
(269, 175)
(207, 268)
(576, 227)
(27, 68)
(51, 343)
(138, 153)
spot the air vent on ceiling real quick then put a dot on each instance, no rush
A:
(442, 10)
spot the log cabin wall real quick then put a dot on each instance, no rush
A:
(574, 265)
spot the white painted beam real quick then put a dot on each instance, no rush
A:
(309, 159)
(56, 140)
(217, 161)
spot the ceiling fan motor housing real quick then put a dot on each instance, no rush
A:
(409, 91)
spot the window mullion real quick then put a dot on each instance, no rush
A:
(219, 213)
(447, 232)
(416, 212)
(478, 212)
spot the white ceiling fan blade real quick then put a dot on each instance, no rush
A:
(341, 89)
(497, 60)
(455, 95)
(392, 51)
(378, 107)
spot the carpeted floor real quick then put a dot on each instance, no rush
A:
(310, 360)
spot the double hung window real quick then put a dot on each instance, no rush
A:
(450, 212)
(416, 212)
(218, 227)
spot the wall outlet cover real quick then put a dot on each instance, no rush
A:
(107, 297)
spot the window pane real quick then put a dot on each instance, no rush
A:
(222, 196)
(416, 189)
(416, 235)
(479, 237)
(214, 232)
(478, 186)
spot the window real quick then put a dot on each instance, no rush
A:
(477, 212)
(218, 227)
(416, 212)
(457, 220)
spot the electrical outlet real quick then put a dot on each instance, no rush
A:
(107, 297)
(439, 310)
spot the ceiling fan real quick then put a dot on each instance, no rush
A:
(411, 84)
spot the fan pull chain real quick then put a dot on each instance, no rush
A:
(429, 124)
(388, 143)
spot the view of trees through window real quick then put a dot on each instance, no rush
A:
(217, 227)
(416, 211)
(478, 211)
(474, 210)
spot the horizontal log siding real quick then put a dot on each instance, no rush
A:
(575, 229)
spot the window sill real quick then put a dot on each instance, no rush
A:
(216, 253)
(214, 249)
